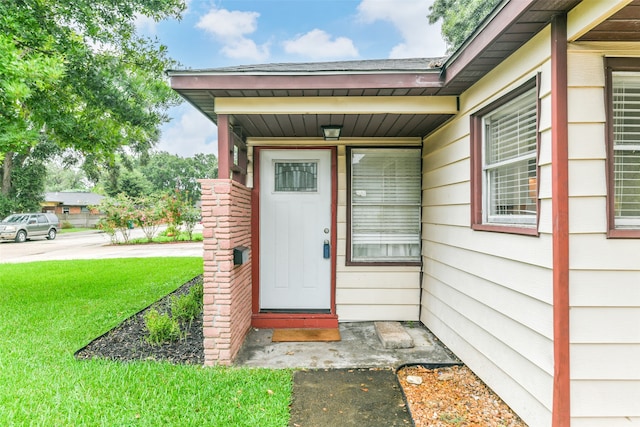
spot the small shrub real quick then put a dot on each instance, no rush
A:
(161, 327)
(66, 225)
(187, 307)
(197, 290)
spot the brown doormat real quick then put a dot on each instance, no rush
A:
(294, 335)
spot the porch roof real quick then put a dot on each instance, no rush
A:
(296, 99)
(304, 88)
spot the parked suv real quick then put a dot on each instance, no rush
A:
(20, 227)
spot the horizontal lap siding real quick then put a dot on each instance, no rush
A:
(609, 422)
(605, 273)
(488, 296)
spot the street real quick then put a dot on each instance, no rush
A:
(90, 245)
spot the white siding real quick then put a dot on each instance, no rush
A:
(605, 273)
(488, 296)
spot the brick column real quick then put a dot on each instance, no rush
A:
(226, 218)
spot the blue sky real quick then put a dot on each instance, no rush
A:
(220, 33)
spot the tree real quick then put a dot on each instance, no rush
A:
(29, 181)
(132, 183)
(459, 18)
(174, 205)
(62, 176)
(167, 172)
(119, 215)
(74, 73)
(149, 211)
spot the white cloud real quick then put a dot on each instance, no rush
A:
(317, 44)
(231, 27)
(189, 133)
(145, 24)
(228, 23)
(245, 48)
(419, 38)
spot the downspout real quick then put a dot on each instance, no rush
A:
(561, 410)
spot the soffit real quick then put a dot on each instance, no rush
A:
(623, 26)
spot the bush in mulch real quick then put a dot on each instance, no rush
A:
(129, 340)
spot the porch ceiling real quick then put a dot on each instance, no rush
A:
(512, 24)
(623, 26)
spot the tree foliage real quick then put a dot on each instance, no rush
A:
(29, 180)
(167, 172)
(62, 176)
(459, 18)
(74, 73)
(160, 173)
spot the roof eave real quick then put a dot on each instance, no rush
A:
(504, 15)
(239, 81)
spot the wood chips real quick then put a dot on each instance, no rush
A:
(453, 396)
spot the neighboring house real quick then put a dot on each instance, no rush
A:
(74, 207)
(492, 195)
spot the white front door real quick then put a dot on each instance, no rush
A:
(295, 224)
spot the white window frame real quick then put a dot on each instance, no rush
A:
(620, 144)
(526, 107)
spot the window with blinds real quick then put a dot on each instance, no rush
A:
(510, 162)
(385, 205)
(626, 148)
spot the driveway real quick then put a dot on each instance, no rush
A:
(90, 245)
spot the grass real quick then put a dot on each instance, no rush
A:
(51, 309)
(183, 237)
(74, 230)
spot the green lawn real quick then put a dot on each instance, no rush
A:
(48, 310)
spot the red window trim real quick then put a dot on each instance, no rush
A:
(477, 199)
(615, 64)
(348, 261)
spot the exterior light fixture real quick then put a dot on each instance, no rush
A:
(331, 132)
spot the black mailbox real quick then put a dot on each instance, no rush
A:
(240, 255)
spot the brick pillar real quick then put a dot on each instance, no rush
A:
(226, 218)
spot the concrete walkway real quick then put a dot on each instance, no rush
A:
(360, 347)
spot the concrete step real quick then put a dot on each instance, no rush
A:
(393, 335)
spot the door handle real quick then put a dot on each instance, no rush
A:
(326, 250)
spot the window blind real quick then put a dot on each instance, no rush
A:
(626, 148)
(510, 150)
(385, 205)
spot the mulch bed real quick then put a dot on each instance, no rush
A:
(453, 396)
(127, 341)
